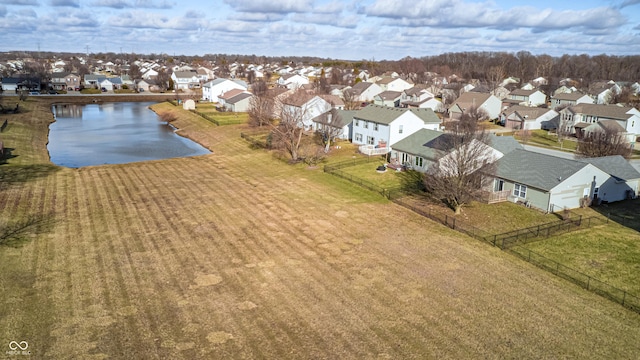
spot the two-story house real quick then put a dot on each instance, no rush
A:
(65, 81)
(525, 97)
(363, 91)
(214, 88)
(184, 80)
(518, 117)
(377, 127)
(575, 119)
(292, 81)
(564, 99)
(487, 103)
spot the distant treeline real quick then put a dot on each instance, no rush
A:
(467, 65)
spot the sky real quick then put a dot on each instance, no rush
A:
(345, 30)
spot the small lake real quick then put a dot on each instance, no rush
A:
(113, 133)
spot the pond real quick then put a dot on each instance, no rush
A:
(113, 133)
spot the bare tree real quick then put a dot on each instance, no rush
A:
(331, 128)
(604, 142)
(261, 107)
(350, 100)
(465, 166)
(162, 79)
(287, 133)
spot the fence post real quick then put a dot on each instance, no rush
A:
(454, 223)
(588, 282)
(624, 297)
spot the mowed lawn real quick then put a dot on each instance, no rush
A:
(237, 255)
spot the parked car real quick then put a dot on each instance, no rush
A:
(104, 89)
(34, 92)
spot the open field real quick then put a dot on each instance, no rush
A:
(235, 255)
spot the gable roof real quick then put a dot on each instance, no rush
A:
(470, 98)
(239, 97)
(231, 93)
(339, 118)
(536, 170)
(427, 143)
(523, 92)
(386, 114)
(602, 111)
(359, 88)
(389, 95)
(185, 74)
(527, 112)
(615, 166)
(572, 96)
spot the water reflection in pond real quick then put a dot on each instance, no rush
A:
(113, 133)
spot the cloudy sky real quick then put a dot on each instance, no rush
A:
(351, 30)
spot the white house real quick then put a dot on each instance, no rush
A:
(520, 117)
(488, 103)
(388, 98)
(305, 106)
(580, 116)
(363, 91)
(377, 127)
(183, 80)
(528, 97)
(338, 122)
(292, 81)
(213, 89)
(389, 83)
(563, 99)
(239, 103)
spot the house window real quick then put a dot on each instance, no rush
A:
(375, 127)
(498, 185)
(405, 158)
(370, 140)
(400, 129)
(358, 137)
(520, 190)
(366, 124)
(357, 122)
(418, 161)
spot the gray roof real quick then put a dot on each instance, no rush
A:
(236, 99)
(504, 144)
(421, 143)
(341, 118)
(389, 95)
(615, 166)
(426, 143)
(386, 114)
(602, 111)
(574, 96)
(536, 170)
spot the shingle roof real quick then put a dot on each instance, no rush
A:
(420, 143)
(426, 143)
(536, 170)
(574, 96)
(386, 114)
(389, 95)
(615, 166)
(526, 111)
(469, 99)
(602, 111)
(522, 92)
(236, 99)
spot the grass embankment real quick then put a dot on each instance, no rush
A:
(235, 255)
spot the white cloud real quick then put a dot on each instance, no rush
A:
(70, 3)
(271, 6)
(145, 19)
(21, 2)
(257, 17)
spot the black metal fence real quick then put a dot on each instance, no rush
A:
(601, 288)
(508, 241)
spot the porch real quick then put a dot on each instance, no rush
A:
(373, 150)
(492, 197)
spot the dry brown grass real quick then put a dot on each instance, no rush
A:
(234, 255)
